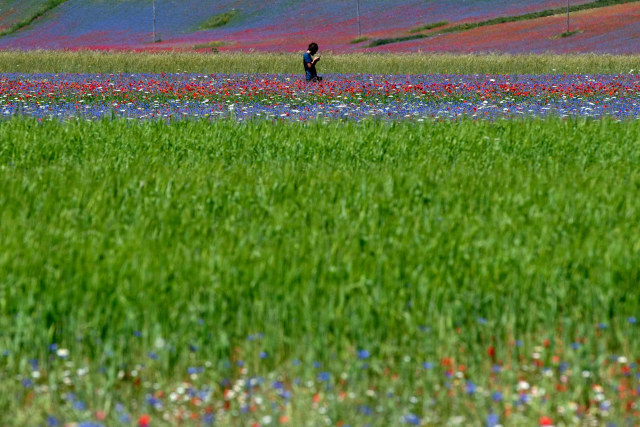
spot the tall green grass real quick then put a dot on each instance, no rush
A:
(324, 237)
(119, 62)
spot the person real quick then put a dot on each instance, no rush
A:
(310, 73)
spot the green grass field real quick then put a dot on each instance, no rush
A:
(413, 242)
(175, 62)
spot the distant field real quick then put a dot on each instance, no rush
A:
(614, 29)
(372, 63)
(319, 274)
(277, 25)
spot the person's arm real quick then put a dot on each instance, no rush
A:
(308, 65)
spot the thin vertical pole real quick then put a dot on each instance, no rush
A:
(154, 21)
(358, 13)
(567, 17)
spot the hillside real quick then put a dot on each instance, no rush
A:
(614, 29)
(285, 25)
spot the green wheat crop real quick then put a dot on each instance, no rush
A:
(117, 62)
(325, 238)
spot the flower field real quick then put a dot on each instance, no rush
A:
(281, 25)
(614, 29)
(244, 97)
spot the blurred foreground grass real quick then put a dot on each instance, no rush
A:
(427, 241)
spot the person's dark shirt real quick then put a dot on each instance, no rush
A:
(309, 71)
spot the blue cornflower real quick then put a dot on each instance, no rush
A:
(154, 401)
(119, 407)
(52, 421)
(324, 376)
(412, 419)
(277, 385)
(152, 355)
(208, 418)
(53, 347)
(285, 394)
(363, 354)
(427, 365)
(575, 345)
(482, 321)
(496, 369)
(204, 394)
(137, 334)
(496, 396)
(519, 343)
(605, 405)
(365, 410)
(493, 420)
(79, 405)
(263, 355)
(34, 364)
(470, 387)
(27, 383)
(602, 326)
(317, 365)
(632, 320)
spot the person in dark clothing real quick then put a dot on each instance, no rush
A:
(309, 62)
